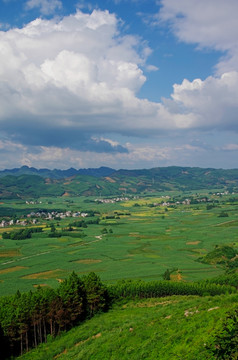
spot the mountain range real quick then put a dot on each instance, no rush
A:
(56, 173)
(30, 182)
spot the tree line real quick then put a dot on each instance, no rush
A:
(132, 289)
(21, 234)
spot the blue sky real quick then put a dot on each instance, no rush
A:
(119, 83)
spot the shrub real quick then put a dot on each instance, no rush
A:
(224, 342)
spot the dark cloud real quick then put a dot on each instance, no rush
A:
(63, 138)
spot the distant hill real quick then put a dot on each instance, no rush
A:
(30, 182)
(56, 173)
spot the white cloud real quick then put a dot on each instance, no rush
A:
(50, 157)
(212, 103)
(60, 75)
(152, 68)
(148, 154)
(208, 23)
(63, 88)
(84, 4)
(46, 7)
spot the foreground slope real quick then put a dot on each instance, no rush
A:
(176, 327)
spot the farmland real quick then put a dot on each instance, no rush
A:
(139, 237)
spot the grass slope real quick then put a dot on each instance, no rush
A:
(176, 327)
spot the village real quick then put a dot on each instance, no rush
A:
(32, 217)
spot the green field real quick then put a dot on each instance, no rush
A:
(141, 242)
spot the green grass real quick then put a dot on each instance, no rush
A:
(176, 327)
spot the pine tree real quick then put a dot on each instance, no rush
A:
(97, 294)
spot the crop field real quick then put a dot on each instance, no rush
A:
(138, 239)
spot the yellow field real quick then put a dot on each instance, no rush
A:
(12, 269)
(45, 274)
(9, 253)
(88, 261)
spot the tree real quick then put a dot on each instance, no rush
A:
(73, 297)
(52, 228)
(96, 292)
(5, 348)
(104, 231)
(166, 275)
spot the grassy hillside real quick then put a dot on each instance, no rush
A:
(176, 327)
(117, 183)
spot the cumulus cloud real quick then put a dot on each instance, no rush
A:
(46, 7)
(65, 83)
(213, 102)
(61, 83)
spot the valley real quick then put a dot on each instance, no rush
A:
(163, 253)
(139, 237)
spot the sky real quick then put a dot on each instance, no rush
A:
(119, 83)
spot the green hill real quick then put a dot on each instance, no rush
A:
(176, 327)
(25, 186)
(223, 255)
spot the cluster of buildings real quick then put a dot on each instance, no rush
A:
(112, 201)
(32, 217)
(223, 193)
(56, 215)
(183, 202)
(11, 222)
(33, 202)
